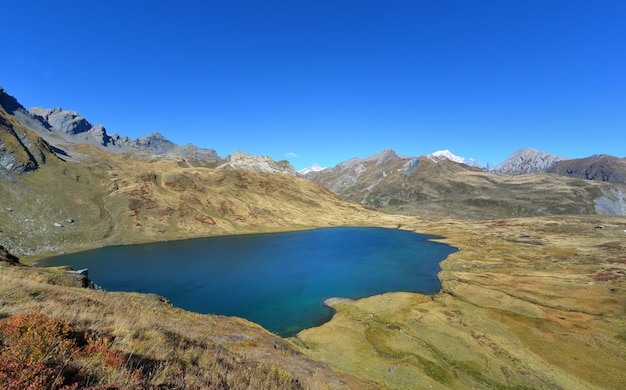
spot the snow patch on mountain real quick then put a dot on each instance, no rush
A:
(313, 168)
(453, 157)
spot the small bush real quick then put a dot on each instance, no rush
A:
(39, 352)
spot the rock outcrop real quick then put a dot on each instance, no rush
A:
(8, 257)
(82, 275)
(248, 162)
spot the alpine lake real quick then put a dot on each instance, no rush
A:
(278, 280)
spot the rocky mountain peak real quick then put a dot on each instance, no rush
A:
(63, 121)
(599, 167)
(527, 161)
(385, 156)
(8, 102)
(156, 142)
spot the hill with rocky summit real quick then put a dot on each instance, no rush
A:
(245, 161)
(601, 167)
(438, 186)
(527, 161)
(64, 129)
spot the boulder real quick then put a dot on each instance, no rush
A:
(8, 257)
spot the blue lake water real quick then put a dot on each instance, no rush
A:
(278, 280)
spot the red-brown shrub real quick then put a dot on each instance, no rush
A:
(39, 352)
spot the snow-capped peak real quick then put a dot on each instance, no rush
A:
(453, 157)
(313, 168)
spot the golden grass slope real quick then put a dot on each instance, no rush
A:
(526, 303)
(161, 200)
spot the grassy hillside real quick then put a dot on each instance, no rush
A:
(106, 199)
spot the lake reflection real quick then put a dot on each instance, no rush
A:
(277, 280)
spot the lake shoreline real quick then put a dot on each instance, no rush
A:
(351, 262)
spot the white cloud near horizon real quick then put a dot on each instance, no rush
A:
(291, 154)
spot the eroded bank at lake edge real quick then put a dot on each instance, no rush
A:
(534, 302)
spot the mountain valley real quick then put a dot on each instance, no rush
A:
(534, 298)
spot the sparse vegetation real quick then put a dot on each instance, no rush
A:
(39, 352)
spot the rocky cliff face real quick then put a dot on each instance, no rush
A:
(20, 150)
(74, 128)
(64, 121)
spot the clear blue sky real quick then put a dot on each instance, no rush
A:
(328, 80)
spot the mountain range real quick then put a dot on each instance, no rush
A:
(601, 167)
(515, 286)
(529, 183)
(62, 130)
